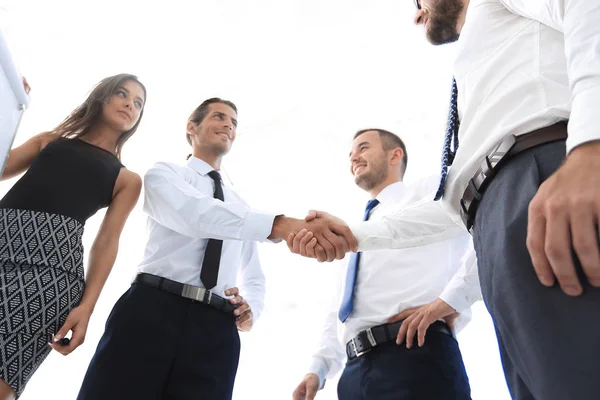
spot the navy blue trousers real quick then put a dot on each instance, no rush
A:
(161, 346)
(391, 372)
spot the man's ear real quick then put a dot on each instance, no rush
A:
(396, 156)
(190, 129)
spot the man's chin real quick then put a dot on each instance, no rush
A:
(438, 38)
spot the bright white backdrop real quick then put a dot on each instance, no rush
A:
(305, 76)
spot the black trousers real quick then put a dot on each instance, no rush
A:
(549, 342)
(391, 372)
(161, 346)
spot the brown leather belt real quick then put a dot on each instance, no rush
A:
(490, 165)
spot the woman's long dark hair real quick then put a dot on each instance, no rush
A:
(85, 117)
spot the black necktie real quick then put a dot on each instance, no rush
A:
(212, 255)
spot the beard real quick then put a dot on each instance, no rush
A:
(441, 26)
(372, 178)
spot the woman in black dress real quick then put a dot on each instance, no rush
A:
(72, 172)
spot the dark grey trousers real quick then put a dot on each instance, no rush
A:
(549, 342)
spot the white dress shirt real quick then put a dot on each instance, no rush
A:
(390, 281)
(183, 215)
(521, 65)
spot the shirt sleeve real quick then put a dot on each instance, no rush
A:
(252, 279)
(420, 223)
(578, 20)
(179, 206)
(464, 290)
(329, 359)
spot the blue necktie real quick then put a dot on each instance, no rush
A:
(347, 300)
(451, 133)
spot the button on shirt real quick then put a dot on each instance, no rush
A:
(390, 281)
(521, 65)
(183, 215)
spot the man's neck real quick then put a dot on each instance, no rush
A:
(211, 159)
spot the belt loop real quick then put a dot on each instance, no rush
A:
(474, 190)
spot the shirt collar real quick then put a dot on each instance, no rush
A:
(200, 166)
(392, 192)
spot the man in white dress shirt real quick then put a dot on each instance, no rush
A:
(527, 72)
(174, 333)
(419, 286)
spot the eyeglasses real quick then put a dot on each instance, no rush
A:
(418, 4)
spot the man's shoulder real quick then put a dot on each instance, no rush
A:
(166, 166)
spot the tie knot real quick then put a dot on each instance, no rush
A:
(370, 205)
(215, 176)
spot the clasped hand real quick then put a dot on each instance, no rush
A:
(323, 237)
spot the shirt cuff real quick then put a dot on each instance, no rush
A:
(455, 300)
(371, 235)
(583, 121)
(257, 226)
(319, 368)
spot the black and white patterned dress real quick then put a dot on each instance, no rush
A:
(41, 253)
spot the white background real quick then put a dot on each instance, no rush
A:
(305, 76)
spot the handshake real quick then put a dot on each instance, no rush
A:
(319, 235)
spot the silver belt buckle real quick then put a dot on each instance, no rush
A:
(196, 293)
(356, 352)
(371, 339)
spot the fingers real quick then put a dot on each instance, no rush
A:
(413, 323)
(327, 247)
(300, 391)
(402, 333)
(346, 233)
(311, 392)
(76, 340)
(245, 321)
(558, 251)
(312, 214)
(307, 389)
(585, 243)
(339, 244)
(62, 332)
(302, 243)
(290, 242)
(536, 234)
(422, 331)
(320, 253)
(241, 309)
(403, 315)
(26, 86)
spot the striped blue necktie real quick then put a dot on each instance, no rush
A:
(451, 135)
(347, 300)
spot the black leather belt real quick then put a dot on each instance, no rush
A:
(188, 291)
(372, 337)
(509, 147)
